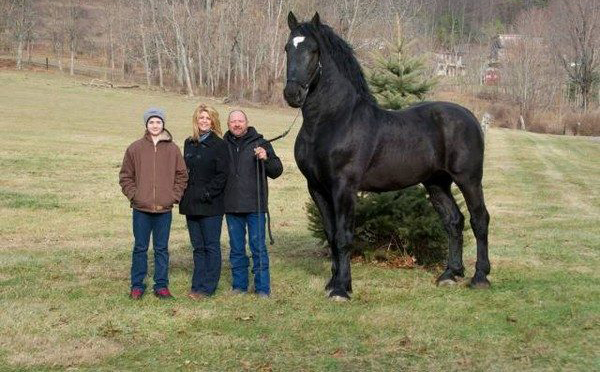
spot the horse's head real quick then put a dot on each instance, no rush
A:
(303, 64)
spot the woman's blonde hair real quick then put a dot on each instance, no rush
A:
(214, 120)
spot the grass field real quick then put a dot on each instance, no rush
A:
(66, 241)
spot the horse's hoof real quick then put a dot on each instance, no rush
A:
(480, 284)
(447, 279)
(338, 295)
(339, 298)
(446, 283)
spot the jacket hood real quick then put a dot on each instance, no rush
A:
(165, 136)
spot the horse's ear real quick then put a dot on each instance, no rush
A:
(292, 21)
(316, 20)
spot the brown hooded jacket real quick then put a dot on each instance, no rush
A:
(153, 177)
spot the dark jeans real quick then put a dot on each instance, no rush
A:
(159, 225)
(236, 226)
(205, 235)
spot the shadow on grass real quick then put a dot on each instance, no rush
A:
(293, 250)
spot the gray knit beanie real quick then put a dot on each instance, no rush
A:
(154, 112)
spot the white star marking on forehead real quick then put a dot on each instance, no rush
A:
(297, 40)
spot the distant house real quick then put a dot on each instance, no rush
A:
(450, 63)
(501, 44)
(500, 50)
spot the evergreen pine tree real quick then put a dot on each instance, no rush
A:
(399, 79)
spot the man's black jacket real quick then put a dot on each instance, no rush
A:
(241, 195)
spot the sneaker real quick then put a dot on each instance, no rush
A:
(136, 294)
(237, 291)
(163, 293)
(196, 296)
(263, 295)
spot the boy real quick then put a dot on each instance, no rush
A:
(153, 177)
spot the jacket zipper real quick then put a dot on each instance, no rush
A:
(154, 179)
(237, 166)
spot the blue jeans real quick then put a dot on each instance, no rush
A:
(159, 225)
(236, 227)
(205, 235)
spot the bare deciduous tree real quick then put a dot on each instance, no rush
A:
(575, 37)
(21, 20)
(528, 65)
(143, 28)
(74, 31)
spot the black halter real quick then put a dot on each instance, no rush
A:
(306, 85)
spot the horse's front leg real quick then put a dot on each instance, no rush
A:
(343, 198)
(323, 203)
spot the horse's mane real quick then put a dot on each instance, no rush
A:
(342, 55)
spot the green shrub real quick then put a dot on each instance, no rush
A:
(398, 222)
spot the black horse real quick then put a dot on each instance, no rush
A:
(348, 144)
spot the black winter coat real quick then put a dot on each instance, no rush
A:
(241, 195)
(208, 165)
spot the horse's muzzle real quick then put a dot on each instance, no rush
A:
(294, 94)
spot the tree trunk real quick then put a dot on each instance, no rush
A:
(112, 54)
(144, 50)
(72, 66)
(159, 62)
(123, 62)
(185, 70)
(254, 68)
(157, 44)
(182, 54)
(200, 74)
(272, 76)
(29, 49)
(192, 72)
(228, 73)
(20, 54)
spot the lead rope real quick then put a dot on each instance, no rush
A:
(287, 131)
(264, 177)
(260, 172)
(259, 235)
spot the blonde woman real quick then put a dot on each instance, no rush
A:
(206, 158)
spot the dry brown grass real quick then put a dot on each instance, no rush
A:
(506, 114)
(54, 351)
(587, 124)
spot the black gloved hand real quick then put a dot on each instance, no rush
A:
(204, 196)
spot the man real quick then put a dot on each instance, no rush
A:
(251, 157)
(153, 177)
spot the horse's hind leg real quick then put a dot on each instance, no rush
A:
(441, 197)
(480, 219)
